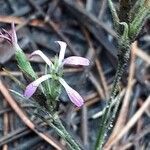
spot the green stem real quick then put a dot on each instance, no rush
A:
(138, 22)
(114, 14)
(129, 34)
(69, 139)
(123, 59)
(57, 125)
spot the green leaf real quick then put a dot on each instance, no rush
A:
(24, 63)
(139, 19)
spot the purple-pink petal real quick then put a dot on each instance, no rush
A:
(5, 37)
(75, 60)
(42, 55)
(30, 90)
(63, 46)
(10, 36)
(13, 35)
(73, 95)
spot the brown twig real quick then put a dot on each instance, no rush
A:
(136, 137)
(21, 21)
(53, 26)
(18, 73)
(91, 76)
(6, 126)
(84, 126)
(130, 123)
(102, 77)
(140, 53)
(102, 9)
(97, 85)
(13, 135)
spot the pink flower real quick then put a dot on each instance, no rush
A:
(10, 37)
(73, 95)
(73, 60)
(31, 88)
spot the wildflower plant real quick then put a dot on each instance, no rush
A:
(55, 72)
(127, 25)
(23, 63)
(51, 83)
(55, 75)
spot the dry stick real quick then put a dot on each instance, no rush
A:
(50, 11)
(10, 137)
(89, 103)
(84, 126)
(4, 110)
(102, 77)
(89, 5)
(97, 85)
(90, 95)
(87, 16)
(18, 73)
(100, 113)
(130, 123)
(102, 9)
(124, 109)
(25, 119)
(136, 137)
(98, 65)
(32, 21)
(84, 110)
(127, 146)
(91, 76)
(6, 127)
(122, 93)
(20, 21)
(54, 27)
(140, 53)
(140, 103)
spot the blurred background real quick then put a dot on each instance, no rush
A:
(86, 26)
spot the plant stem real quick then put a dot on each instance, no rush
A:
(57, 125)
(66, 135)
(123, 58)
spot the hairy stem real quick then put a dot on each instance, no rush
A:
(66, 135)
(57, 125)
(122, 61)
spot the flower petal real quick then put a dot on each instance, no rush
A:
(31, 88)
(63, 46)
(42, 55)
(13, 34)
(5, 37)
(75, 60)
(73, 95)
(10, 37)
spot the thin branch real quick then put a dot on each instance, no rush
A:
(131, 122)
